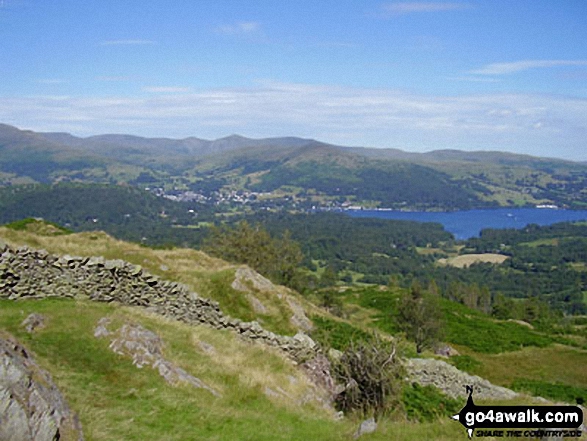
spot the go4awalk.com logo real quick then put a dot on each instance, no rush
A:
(519, 421)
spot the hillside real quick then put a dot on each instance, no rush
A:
(224, 386)
(359, 250)
(304, 171)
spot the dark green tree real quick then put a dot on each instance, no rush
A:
(275, 258)
(420, 317)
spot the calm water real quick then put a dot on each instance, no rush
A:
(466, 224)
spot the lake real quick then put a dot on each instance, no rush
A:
(466, 224)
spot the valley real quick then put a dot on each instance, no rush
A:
(256, 232)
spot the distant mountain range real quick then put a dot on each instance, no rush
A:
(303, 168)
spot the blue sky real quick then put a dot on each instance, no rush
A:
(416, 75)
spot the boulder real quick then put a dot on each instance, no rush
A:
(33, 322)
(245, 277)
(367, 426)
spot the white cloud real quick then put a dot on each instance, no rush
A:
(401, 8)
(127, 42)
(243, 27)
(339, 115)
(519, 66)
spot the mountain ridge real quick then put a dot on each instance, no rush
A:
(390, 178)
(238, 141)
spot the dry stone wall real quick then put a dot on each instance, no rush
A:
(27, 273)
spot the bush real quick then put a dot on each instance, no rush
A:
(372, 376)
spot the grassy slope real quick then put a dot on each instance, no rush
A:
(504, 352)
(115, 400)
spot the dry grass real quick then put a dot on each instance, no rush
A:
(190, 267)
(469, 259)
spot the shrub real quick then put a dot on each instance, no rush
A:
(371, 375)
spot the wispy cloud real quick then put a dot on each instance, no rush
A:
(526, 123)
(519, 66)
(114, 79)
(474, 79)
(136, 42)
(243, 27)
(51, 81)
(402, 8)
(166, 89)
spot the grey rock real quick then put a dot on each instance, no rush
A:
(31, 406)
(101, 329)
(256, 304)
(305, 340)
(136, 270)
(451, 381)
(33, 322)
(367, 426)
(299, 318)
(145, 349)
(95, 261)
(245, 277)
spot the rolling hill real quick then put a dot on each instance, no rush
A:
(304, 169)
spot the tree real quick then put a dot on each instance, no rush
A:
(277, 259)
(419, 316)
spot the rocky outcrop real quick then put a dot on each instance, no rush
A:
(451, 381)
(245, 279)
(31, 406)
(146, 349)
(26, 273)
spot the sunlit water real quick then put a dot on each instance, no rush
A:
(466, 224)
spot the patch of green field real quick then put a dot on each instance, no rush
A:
(553, 391)
(40, 227)
(426, 403)
(466, 363)
(336, 333)
(196, 226)
(428, 251)
(463, 326)
(541, 242)
(553, 364)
